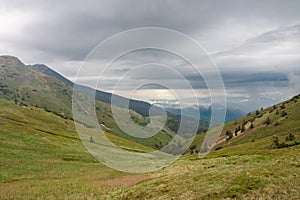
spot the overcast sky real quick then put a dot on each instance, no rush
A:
(255, 44)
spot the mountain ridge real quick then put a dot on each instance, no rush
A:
(27, 87)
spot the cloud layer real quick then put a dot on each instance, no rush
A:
(255, 44)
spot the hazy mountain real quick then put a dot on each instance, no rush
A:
(205, 113)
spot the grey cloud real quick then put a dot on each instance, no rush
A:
(73, 28)
(258, 41)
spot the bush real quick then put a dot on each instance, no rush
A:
(290, 137)
(277, 145)
(193, 147)
(276, 142)
(268, 121)
(283, 114)
(229, 135)
(243, 128)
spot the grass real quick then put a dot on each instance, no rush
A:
(271, 176)
(42, 91)
(41, 157)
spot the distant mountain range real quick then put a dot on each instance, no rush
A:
(205, 113)
(142, 107)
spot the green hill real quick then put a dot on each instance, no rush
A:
(28, 86)
(257, 131)
(256, 157)
(42, 158)
(260, 162)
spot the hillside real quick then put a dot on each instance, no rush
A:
(261, 162)
(139, 107)
(39, 86)
(257, 130)
(42, 158)
(28, 87)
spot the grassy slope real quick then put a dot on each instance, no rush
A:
(42, 157)
(274, 175)
(260, 138)
(39, 165)
(28, 87)
(245, 168)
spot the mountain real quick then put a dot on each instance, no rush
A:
(42, 158)
(27, 86)
(205, 113)
(138, 106)
(46, 70)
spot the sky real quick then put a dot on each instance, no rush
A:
(254, 44)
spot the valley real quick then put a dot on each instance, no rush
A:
(42, 157)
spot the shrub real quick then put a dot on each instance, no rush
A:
(193, 147)
(268, 121)
(290, 137)
(276, 142)
(229, 135)
(283, 114)
(243, 128)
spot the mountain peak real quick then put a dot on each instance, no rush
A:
(7, 60)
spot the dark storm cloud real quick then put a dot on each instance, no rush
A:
(255, 44)
(73, 28)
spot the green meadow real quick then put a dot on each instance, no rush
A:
(42, 157)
